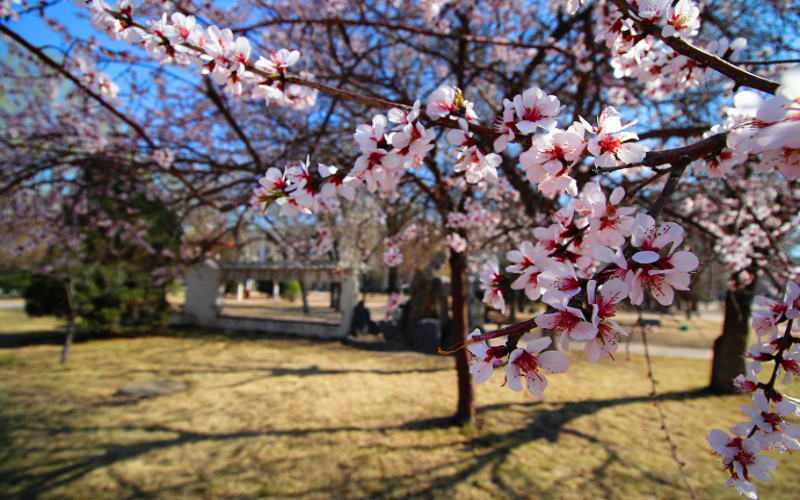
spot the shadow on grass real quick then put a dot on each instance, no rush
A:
(41, 337)
(490, 452)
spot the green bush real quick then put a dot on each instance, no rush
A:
(14, 280)
(46, 296)
(291, 291)
(117, 298)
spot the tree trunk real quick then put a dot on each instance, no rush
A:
(394, 286)
(68, 338)
(336, 289)
(465, 413)
(730, 347)
(304, 293)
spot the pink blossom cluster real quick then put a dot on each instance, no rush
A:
(472, 159)
(216, 52)
(525, 115)
(767, 428)
(529, 363)
(654, 64)
(392, 255)
(393, 305)
(298, 191)
(552, 154)
(592, 257)
(474, 217)
(774, 134)
(387, 151)
(7, 10)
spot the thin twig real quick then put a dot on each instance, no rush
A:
(673, 448)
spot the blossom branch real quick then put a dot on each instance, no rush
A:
(742, 77)
(60, 68)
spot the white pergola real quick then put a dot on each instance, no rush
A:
(205, 284)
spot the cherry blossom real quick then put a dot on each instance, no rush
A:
(531, 363)
(609, 225)
(456, 242)
(471, 159)
(550, 157)
(683, 19)
(392, 257)
(535, 109)
(492, 281)
(568, 322)
(656, 267)
(612, 146)
(483, 358)
(741, 456)
(279, 61)
(604, 306)
(777, 128)
(448, 101)
(529, 261)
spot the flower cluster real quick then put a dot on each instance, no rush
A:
(392, 305)
(387, 152)
(525, 114)
(774, 134)
(654, 64)
(297, 191)
(392, 256)
(767, 428)
(583, 266)
(528, 363)
(216, 52)
(551, 156)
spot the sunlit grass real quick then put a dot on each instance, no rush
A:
(16, 321)
(291, 418)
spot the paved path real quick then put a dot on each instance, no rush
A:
(12, 304)
(668, 351)
(661, 351)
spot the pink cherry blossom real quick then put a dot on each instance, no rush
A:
(531, 363)
(656, 266)
(741, 456)
(535, 109)
(492, 281)
(483, 358)
(568, 322)
(456, 242)
(604, 307)
(612, 146)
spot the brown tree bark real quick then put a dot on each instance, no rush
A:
(465, 413)
(730, 347)
(304, 294)
(69, 335)
(68, 338)
(394, 285)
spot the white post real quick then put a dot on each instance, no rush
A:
(347, 301)
(202, 292)
(240, 292)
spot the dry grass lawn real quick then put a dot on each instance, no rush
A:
(297, 419)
